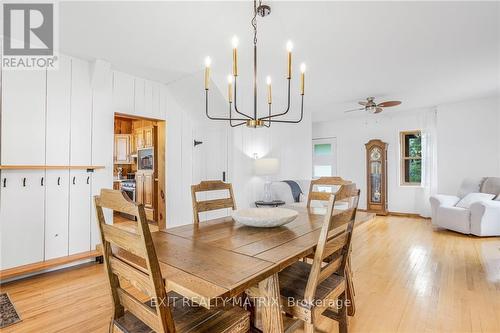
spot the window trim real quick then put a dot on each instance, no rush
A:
(403, 158)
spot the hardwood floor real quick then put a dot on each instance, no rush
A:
(408, 278)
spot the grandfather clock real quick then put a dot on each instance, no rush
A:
(376, 177)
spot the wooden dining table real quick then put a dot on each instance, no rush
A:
(219, 259)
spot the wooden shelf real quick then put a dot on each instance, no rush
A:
(39, 266)
(51, 167)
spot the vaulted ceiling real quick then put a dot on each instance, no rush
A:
(424, 53)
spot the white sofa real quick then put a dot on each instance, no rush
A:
(481, 219)
(282, 191)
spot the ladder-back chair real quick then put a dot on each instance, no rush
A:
(315, 287)
(164, 312)
(211, 204)
(314, 194)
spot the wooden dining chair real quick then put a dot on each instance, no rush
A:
(316, 288)
(164, 312)
(213, 204)
(314, 194)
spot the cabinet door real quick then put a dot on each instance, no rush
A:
(79, 211)
(148, 190)
(58, 113)
(123, 93)
(139, 138)
(148, 137)
(23, 117)
(21, 217)
(122, 148)
(139, 187)
(81, 114)
(56, 213)
(155, 108)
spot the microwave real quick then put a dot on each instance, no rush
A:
(145, 159)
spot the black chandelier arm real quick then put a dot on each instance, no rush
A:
(231, 118)
(235, 97)
(287, 107)
(217, 118)
(292, 121)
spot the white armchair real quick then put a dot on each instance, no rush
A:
(481, 219)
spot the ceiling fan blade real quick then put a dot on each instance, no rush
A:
(358, 109)
(378, 110)
(363, 103)
(388, 104)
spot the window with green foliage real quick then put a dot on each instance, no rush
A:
(411, 158)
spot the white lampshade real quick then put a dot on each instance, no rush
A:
(267, 166)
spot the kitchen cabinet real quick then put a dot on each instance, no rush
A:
(21, 217)
(23, 117)
(138, 139)
(148, 136)
(143, 137)
(56, 213)
(123, 149)
(81, 114)
(139, 97)
(144, 182)
(79, 211)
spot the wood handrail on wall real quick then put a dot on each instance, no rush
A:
(51, 167)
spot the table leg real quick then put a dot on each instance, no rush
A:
(270, 298)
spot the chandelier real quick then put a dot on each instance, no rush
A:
(241, 118)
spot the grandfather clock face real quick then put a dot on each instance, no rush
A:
(375, 155)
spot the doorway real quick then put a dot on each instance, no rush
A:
(139, 166)
(324, 152)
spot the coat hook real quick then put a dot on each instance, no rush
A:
(196, 142)
(41, 182)
(24, 182)
(58, 181)
(88, 179)
(74, 180)
(5, 182)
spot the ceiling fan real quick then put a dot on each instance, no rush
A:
(372, 107)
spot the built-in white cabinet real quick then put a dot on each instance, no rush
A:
(56, 213)
(81, 114)
(79, 211)
(23, 117)
(123, 93)
(22, 217)
(58, 113)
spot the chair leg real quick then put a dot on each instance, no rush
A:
(308, 328)
(343, 324)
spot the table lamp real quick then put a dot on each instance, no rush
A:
(267, 167)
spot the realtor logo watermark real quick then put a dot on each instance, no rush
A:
(29, 36)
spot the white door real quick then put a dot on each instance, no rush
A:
(79, 211)
(56, 213)
(23, 117)
(81, 113)
(210, 162)
(324, 157)
(21, 217)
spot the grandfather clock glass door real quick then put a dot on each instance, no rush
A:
(376, 158)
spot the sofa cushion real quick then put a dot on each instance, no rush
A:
(470, 185)
(491, 185)
(470, 198)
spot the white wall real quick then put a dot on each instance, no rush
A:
(186, 115)
(468, 145)
(468, 137)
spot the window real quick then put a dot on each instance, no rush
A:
(411, 158)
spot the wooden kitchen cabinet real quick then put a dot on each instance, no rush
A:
(144, 187)
(123, 149)
(143, 137)
(148, 137)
